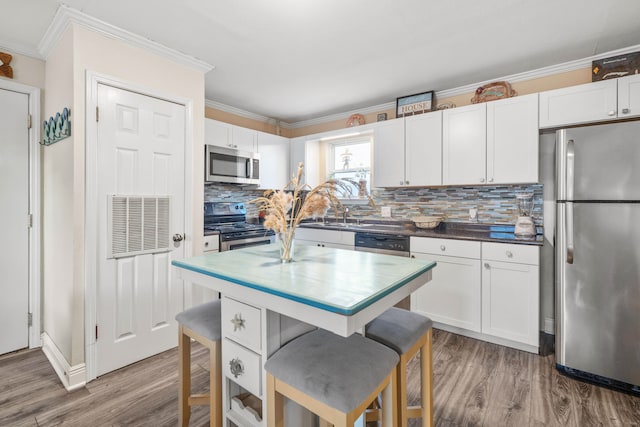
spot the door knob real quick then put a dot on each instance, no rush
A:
(178, 237)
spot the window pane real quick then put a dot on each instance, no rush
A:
(352, 156)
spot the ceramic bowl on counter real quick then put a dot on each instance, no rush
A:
(427, 221)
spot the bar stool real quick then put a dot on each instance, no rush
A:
(406, 333)
(334, 377)
(202, 323)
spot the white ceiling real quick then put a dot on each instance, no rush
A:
(294, 60)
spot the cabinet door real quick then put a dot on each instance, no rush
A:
(510, 301)
(423, 149)
(512, 140)
(388, 154)
(464, 137)
(244, 139)
(274, 161)
(629, 96)
(453, 295)
(307, 153)
(217, 133)
(591, 102)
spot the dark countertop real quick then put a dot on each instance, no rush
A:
(500, 233)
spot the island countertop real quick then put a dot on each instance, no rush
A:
(339, 281)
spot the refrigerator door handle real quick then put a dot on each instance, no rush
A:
(569, 216)
(571, 161)
(569, 232)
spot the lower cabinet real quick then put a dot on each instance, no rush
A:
(454, 294)
(325, 238)
(488, 291)
(510, 292)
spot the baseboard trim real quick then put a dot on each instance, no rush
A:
(72, 377)
(550, 325)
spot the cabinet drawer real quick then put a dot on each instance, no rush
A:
(241, 323)
(326, 236)
(449, 247)
(242, 366)
(510, 253)
(211, 243)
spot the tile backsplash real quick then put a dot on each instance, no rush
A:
(495, 204)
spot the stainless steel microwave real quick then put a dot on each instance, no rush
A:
(227, 165)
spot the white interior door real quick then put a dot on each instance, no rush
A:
(14, 211)
(141, 146)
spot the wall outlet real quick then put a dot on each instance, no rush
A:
(386, 211)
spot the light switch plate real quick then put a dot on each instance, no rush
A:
(386, 211)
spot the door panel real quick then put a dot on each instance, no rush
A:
(606, 159)
(600, 292)
(14, 208)
(141, 143)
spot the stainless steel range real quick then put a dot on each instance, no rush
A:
(230, 220)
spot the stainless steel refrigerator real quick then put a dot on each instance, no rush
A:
(598, 254)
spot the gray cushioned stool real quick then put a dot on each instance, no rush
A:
(334, 377)
(406, 333)
(202, 323)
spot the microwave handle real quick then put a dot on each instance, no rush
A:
(249, 168)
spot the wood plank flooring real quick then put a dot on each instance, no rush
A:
(475, 384)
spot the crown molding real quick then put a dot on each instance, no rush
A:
(20, 49)
(65, 16)
(239, 112)
(470, 88)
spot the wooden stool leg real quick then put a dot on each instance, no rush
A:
(215, 385)
(184, 377)
(390, 396)
(403, 406)
(275, 404)
(426, 375)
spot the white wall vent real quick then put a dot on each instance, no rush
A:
(138, 225)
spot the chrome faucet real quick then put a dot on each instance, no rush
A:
(344, 215)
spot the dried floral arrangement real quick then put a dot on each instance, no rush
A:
(285, 209)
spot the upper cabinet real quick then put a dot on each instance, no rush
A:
(629, 96)
(306, 152)
(491, 143)
(230, 136)
(512, 140)
(408, 152)
(274, 161)
(464, 145)
(592, 102)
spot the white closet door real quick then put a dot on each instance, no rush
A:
(141, 145)
(14, 210)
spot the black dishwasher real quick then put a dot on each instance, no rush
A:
(390, 244)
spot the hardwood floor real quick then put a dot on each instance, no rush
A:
(475, 384)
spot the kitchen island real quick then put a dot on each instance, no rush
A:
(266, 303)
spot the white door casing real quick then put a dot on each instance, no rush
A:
(140, 151)
(14, 211)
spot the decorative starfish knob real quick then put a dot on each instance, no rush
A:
(238, 322)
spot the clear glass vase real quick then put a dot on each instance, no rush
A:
(287, 245)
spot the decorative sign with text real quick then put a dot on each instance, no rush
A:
(414, 104)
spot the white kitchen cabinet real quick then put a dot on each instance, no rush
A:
(423, 149)
(512, 140)
(629, 96)
(453, 297)
(464, 145)
(307, 152)
(491, 143)
(510, 292)
(484, 290)
(325, 238)
(388, 154)
(590, 102)
(230, 136)
(274, 161)
(408, 151)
